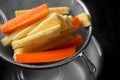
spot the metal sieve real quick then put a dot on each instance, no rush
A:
(7, 9)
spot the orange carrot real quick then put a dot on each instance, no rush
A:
(75, 41)
(77, 22)
(46, 56)
(25, 19)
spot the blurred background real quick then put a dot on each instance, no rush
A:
(105, 16)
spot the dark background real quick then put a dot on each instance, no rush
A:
(105, 16)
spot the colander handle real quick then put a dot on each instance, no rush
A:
(90, 65)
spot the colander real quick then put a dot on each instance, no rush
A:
(7, 9)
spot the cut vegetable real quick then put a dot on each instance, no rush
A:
(67, 20)
(46, 56)
(75, 41)
(8, 38)
(25, 31)
(51, 21)
(62, 37)
(47, 46)
(25, 19)
(40, 38)
(60, 10)
(81, 20)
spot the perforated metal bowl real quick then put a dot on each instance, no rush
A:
(7, 9)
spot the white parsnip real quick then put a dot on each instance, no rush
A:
(51, 21)
(54, 43)
(85, 18)
(38, 39)
(60, 10)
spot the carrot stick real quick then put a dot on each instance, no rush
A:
(46, 56)
(75, 41)
(25, 19)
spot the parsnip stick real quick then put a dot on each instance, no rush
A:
(60, 10)
(25, 31)
(64, 35)
(8, 38)
(44, 47)
(51, 21)
(39, 39)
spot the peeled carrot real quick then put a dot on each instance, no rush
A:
(75, 41)
(25, 19)
(46, 56)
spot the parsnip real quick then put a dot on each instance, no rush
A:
(19, 34)
(67, 20)
(25, 31)
(8, 38)
(55, 43)
(44, 47)
(51, 21)
(60, 10)
(70, 17)
(85, 18)
(65, 35)
(38, 39)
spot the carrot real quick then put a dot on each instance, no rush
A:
(75, 41)
(25, 19)
(46, 56)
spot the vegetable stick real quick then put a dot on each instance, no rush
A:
(58, 41)
(40, 38)
(67, 20)
(51, 21)
(46, 56)
(64, 36)
(54, 43)
(75, 41)
(60, 10)
(25, 31)
(8, 38)
(25, 19)
(18, 34)
(20, 12)
(81, 20)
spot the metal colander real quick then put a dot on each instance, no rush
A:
(7, 9)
